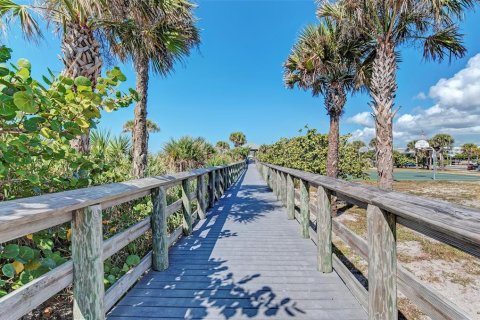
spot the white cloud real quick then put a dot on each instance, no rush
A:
(456, 111)
(461, 91)
(362, 118)
(365, 134)
(421, 96)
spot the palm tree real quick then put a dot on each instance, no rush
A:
(152, 127)
(187, 153)
(470, 150)
(223, 146)
(411, 148)
(238, 138)
(78, 21)
(152, 41)
(442, 142)
(325, 63)
(389, 24)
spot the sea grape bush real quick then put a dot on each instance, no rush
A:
(39, 118)
(309, 153)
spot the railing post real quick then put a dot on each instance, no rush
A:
(211, 189)
(290, 198)
(159, 230)
(281, 187)
(268, 177)
(229, 178)
(305, 208)
(278, 184)
(217, 185)
(201, 197)
(284, 188)
(187, 208)
(324, 231)
(220, 183)
(87, 247)
(382, 264)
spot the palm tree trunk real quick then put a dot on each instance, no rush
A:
(383, 89)
(81, 57)
(140, 140)
(333, 140)
(334, 102)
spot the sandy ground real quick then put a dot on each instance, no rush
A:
(450, 272)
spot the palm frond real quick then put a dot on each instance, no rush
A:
(10, 10)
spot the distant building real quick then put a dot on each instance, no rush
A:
(253, 149)
(454, 151)
(405, 151)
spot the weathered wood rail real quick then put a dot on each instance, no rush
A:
(83, 208)
(451, 224)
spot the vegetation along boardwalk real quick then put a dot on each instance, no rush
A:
(246, 260)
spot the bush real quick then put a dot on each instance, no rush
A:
(309, 153)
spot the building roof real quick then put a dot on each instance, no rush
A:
(252, 146)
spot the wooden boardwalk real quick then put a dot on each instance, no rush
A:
(246, 260)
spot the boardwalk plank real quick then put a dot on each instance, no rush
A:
(232, 267)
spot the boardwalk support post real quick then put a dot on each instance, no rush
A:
(278, 184)
(382, 264)
(201, 197)
(159, 230)
(290, 198)
(87, 248)
(218, 191)
(187, 208)
(284, 188)
(324, 231)
(305, 208)
(211, 189)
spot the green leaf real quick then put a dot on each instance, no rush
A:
(49, 263)
(24, 102)
(25, 254)
(8, 270)
(5, 54)
(111, 279)
(83, 81)
(3, 293)
(23, 73)
(11, 251)
(31, 124)
(25, 277)
(4, 71)
(24, 63)
(133, 260)
(46, 80)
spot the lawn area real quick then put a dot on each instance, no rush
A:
(427, 175)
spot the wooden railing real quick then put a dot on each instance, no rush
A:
(83, 207)
(451, 224)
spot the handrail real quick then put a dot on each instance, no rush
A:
(456, 225)
(452, 224)
(83, 207)
(55, 208)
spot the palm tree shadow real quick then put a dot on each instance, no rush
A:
(197, 286)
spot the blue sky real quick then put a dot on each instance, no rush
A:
(234, 81)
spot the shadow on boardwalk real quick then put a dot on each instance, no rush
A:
(195, 284)
(231, 268)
